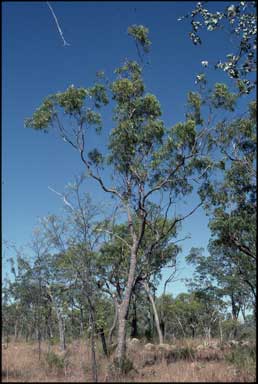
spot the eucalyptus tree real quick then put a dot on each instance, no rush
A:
(144, 157)
(238, 21)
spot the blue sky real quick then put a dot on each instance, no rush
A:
(36, 64)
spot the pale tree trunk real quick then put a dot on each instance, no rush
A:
(207, 332)
(156, 316)
(112, 329)
(123, 312)
(220, 331)
(81, 321)
(61, 322)
(93, 350)
(61, 327)
(16, 330)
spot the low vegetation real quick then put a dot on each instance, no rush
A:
(185, 361)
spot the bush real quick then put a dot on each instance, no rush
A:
(243, 357)
(126, 367)
(54, 340)
(180, 353)
(54, 361)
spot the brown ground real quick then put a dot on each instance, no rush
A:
(20, 363)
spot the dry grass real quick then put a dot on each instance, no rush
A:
(20, 363)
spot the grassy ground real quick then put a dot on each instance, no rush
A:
(20, 363)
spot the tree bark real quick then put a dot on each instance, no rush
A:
(121, 345)
(61, 323)
(93, 351)
(220, 331)
(156, 316)
(81, 321)
(61, 327)
(103, 341)
(134, 330)
(123, 311)
(112, 329)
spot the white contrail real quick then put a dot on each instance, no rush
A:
(57, 24)
(62, 196)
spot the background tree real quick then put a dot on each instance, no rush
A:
(231, 193)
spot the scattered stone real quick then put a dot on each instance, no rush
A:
(200, 347)
(233, 343)
(149, 359)
(244, 343)
(150, 347)
(165, 347)
(134, 341)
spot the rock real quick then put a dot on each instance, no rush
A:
(244, 343)
(233, 343)
(148, 359)
(150, 347)
(200, 347)
(165, 347)
(133, 343)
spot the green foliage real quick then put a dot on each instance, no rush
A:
(184, 133)
(222, 98)
(95, 157)
(140, 34)
(72, 99)
(194, 102)
(98, 92)
(42, 117)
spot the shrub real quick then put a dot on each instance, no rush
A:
(243, 357)
(54, 361)
(127, 365)
(180, 353)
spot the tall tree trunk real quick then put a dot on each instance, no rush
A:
(156, 316)
(16, 330)
(61, 327)
(81, 321)
(163, 328)
(121, 337)
(134, 330)
(39, 341)
(112, 329)
(93, 350)
(220, 331)
(123, 311)
(61, 322)
(103, 341)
